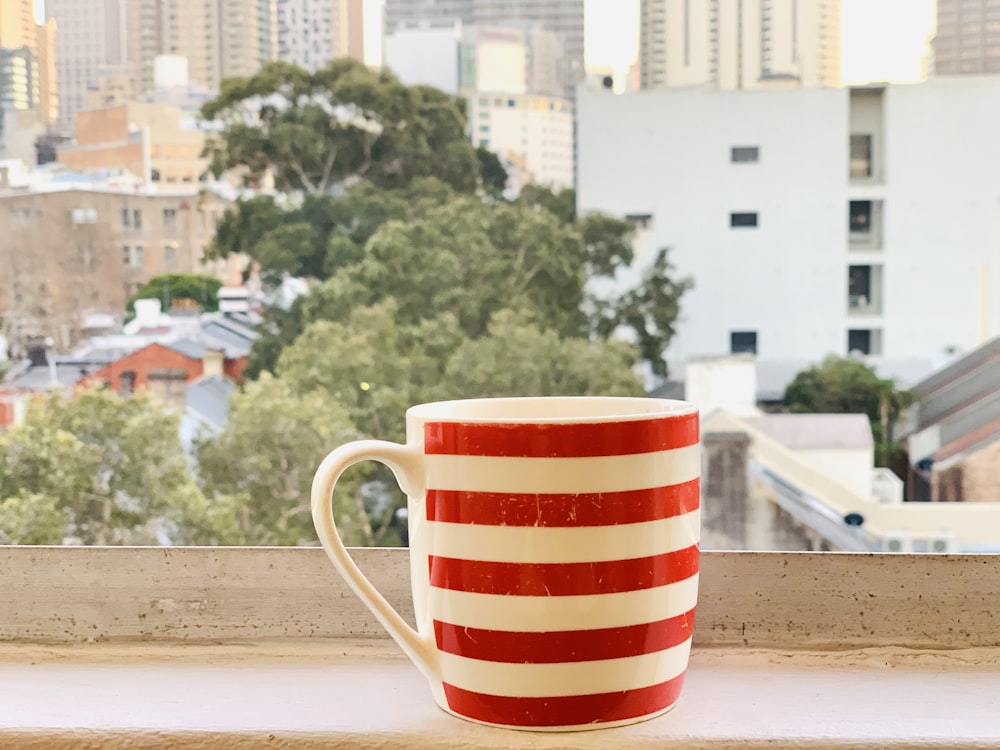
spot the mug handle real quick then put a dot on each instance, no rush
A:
(407, 466)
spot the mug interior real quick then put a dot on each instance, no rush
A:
(550, 408)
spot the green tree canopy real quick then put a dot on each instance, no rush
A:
(848, 386)
(102, 469)
(201, 288)
(318, 131)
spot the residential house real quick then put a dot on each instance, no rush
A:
(952, 433)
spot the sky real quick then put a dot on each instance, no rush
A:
(881, 40)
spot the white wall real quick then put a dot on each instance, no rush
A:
(728, 383)
(852, 468)
(667, 153)
(427, 56)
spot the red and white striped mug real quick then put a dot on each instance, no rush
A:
(553, 554)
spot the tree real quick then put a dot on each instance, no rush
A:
(102, 469)
(844, 385)
(492, 175)
(315, 132)
(263, 464)
(201, 288)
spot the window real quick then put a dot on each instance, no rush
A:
(137, 256)
(84, 215)
(743, 220)
(859, 340)
(126, 383)
(743, 342)
(126, 218)
(861, 216)
(137, 218)
(169, 219)
(861, 156)
(126, 256)
(744, 154)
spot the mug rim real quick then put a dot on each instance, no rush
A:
(612, 411)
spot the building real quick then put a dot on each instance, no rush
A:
(48, 77)
(459, 58)
(563, 17)
(94, 41)
(17, 25)
(73, 249)
(19, 85)
(746, 45)
(311, 33)
(154, 141)
(812, 222)
(967, 39)
(532, 135)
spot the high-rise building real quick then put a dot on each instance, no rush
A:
(967, 40)
(722, 44)
(564, 17)
(460, 58)
(17, 25)
(311, 33)
(48, 78)
(93, 42)
(220, 38)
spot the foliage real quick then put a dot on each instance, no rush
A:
(318, 131)
(844, 385)
(264, 461)
(201, 288)
(492, 175)
(101, 469)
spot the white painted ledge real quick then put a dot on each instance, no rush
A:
(365, 695)
(185, 648)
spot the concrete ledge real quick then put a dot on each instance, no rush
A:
(748, 599)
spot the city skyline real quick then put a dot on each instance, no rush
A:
(881, 39)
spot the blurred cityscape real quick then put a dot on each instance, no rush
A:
(817, 226)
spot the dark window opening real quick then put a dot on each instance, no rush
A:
(859, 340)
(126, 383)
(743, 342)
(861, 216)
(744, 154)
(743, 219)
(859, 285)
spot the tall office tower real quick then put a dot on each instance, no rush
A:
(564, 17)
(311, 33)
(220, 38)
(967, 41)
(48, 78)
(92, 43)
(739, 44)
(17, 25)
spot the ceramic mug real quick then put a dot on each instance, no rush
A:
(553, 554)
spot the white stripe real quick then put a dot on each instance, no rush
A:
(638, 471)
(539, 614)
(570, 678)
(541, 544)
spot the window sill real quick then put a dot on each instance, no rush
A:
(361, 694)
(245, 647)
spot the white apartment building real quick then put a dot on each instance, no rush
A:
(457, 57)
(562, 17)
(813, 222)
(311, 33)
(532, 135)
(725, 44)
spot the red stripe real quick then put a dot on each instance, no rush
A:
(563, 711)
(561, 440)
(561, 647)
(589, 509)
(563, 579)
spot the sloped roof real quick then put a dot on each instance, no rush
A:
(816, 431)
(208, 399)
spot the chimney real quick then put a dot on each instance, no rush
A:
(213, 363)
(147, 312)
